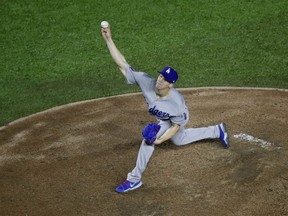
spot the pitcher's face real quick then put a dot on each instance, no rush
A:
(162, 83)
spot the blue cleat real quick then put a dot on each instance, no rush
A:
(127, 186)
(223, 135)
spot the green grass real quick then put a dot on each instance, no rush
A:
(52, 52)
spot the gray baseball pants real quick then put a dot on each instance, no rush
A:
(182, 137)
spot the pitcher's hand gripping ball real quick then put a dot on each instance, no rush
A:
(149, 132)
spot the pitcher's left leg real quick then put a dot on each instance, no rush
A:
(145, 153)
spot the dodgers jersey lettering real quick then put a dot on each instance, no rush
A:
(171, 107)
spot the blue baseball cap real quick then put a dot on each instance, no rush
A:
(169, 74)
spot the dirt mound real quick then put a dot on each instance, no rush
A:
(68, 160)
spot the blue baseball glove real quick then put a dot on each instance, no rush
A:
(149, 132)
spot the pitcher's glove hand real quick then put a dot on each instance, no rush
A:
(149, 132)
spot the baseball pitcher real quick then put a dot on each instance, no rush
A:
(169, 108)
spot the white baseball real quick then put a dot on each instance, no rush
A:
(104, 24)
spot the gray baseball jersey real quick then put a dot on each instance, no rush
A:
(171, 107)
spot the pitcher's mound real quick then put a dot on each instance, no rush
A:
(68, 160)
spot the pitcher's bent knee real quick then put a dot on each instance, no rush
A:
(176, 142)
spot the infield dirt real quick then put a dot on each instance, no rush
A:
(69, 159)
